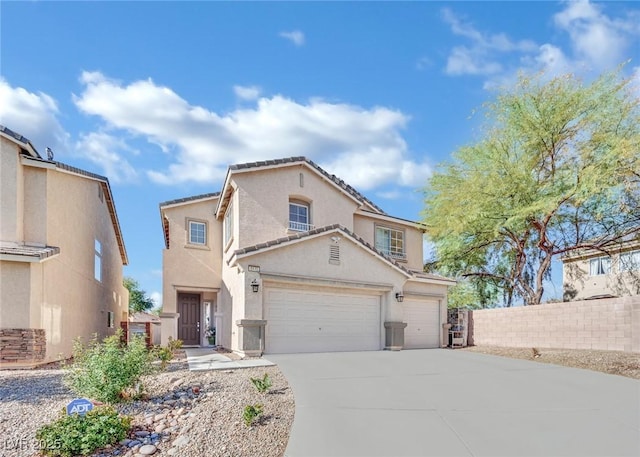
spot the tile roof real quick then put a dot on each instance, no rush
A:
(328, 228)
(188, 199)
(28, 251)
(339, 182)
(20, 139)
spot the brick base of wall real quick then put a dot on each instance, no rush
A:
(22, 346)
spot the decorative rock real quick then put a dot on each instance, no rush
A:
(147, 449)
(125, 442)
(181, 441)
(134, 443)
(142, 433)
(159, 428)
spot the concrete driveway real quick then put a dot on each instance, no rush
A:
(442, 402)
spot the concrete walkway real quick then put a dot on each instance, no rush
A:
(202, 359)
(455, 403)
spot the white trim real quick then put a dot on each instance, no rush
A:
(391, 219)
(188, 202)
(25, 258)
(285, 278)
(36, 163)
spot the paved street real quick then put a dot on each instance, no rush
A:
(455, 403)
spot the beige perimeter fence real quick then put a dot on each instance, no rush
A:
(609, 324)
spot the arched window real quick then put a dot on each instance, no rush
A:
(299, 215)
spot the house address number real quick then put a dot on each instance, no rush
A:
(255, 268)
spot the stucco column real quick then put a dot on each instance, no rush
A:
(394, 335)
(169, 326)
(251, 336)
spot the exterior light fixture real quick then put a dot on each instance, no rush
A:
(255, 286)
(399, 297)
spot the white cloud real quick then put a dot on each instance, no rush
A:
(295, 36)
(105, 151)
(157, 298)
(362, 146)
(595, 37)
(481, 56)
(33, 115)
(597, 42)
(247, 92)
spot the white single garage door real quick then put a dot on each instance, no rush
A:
(315, 321)
(423, 323)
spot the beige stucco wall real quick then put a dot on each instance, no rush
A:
(15, 294)
(263, 202)
(606, 324)
(576, 277)
(75, 303)
(11, 192)
(190, 268)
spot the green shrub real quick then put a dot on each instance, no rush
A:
(164, 354)
(75, 434)
(251, 412)
(174, 345)
(107, 371)
(262, 384)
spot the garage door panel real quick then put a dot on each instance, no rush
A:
(314, 321)
(423, 324)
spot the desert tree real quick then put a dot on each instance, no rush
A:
(555, 171)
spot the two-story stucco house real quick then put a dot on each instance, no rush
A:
(288, 258)
(61, 256)
(611, 273)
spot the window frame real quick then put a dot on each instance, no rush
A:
(228, 224)
(633, 262)
(602, 267)
(392, 251)
(97, 260)
(205, 234)
(298, 226)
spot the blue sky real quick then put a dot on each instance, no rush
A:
(161, 96)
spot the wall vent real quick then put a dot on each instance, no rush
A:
(334, 254)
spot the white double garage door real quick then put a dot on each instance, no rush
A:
(302, 320)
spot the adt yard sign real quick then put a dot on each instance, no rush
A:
(79, 406)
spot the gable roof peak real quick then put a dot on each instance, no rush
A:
(302, 159)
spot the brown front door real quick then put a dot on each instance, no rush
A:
(189, 320)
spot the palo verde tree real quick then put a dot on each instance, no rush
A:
(556, 171)
(138, 299)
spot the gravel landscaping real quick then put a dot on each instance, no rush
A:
(186, 413)
(611, 362)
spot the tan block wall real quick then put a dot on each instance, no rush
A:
(606, 324)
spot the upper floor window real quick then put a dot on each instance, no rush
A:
(600, 266)
(630, 261)
(197, 232)
(299, 216)
(97, 261)
(228, 224)
(390, 242)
